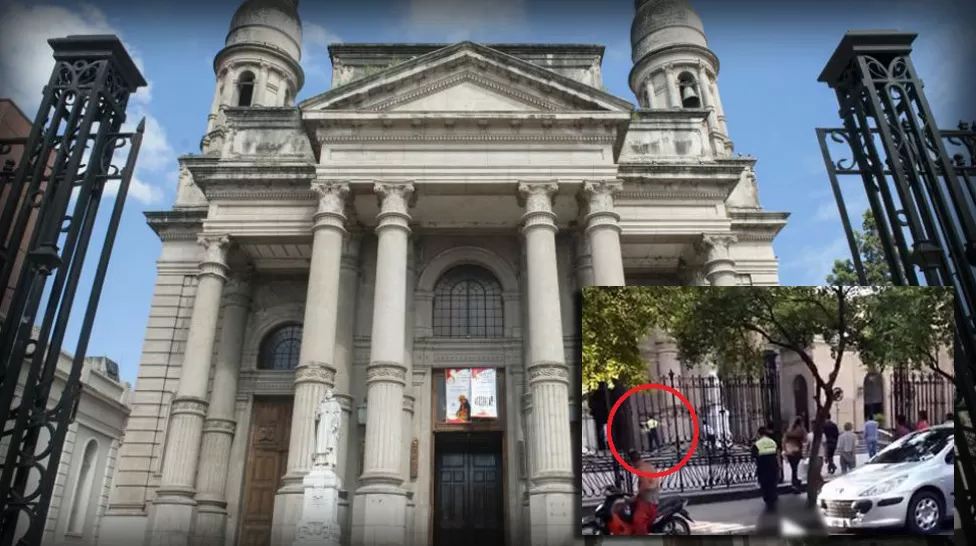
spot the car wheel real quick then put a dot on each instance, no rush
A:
(924, 513)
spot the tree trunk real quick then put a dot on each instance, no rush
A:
(815, 466)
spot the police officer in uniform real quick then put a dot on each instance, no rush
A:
(652, 438)
(766, 453)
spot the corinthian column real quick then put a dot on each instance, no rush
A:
(379, 508)
(172, 511)
(603, 232)
(219, 427)
(719, 265)
(315, 372)
(551, 495)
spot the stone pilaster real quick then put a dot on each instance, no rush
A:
(603, 231)
(172, 511)
(347, 461)
(583, 261)
(379, 507)
(552, 498)
(315, 372)
(674, 100)
(261, 87)
(719, 265)
(219, 427)
(409, 325)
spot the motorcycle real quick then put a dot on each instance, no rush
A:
(615, 516)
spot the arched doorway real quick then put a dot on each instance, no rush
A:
(873, 395)
(801, 399)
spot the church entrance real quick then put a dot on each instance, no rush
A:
(267, 459)
(469, 494)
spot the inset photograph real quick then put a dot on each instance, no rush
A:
(767, 410)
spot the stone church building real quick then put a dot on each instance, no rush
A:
(434, 211)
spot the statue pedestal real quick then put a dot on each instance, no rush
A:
(319, 525)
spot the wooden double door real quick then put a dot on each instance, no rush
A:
(267, 460)
(469, 495)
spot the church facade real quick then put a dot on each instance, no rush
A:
(426, 219)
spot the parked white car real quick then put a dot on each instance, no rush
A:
(910, 483)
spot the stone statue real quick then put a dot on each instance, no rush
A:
(327, 424)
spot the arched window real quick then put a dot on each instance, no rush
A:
(280, 348)
(245, 89)
(688, 91)
(83, 489)
(468, 303)
(873, 395)
(800, 399)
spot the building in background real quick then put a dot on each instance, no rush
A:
(431, 213)
(13, 125)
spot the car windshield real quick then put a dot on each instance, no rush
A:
(916, 447)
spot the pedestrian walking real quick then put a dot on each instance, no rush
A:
(652, 437)
(831, 434)
(766, 453)
(901, 427)
(709, 435)
(793, 448)
(648, 495)
(847, 449)
(923, 420)
(871, 436)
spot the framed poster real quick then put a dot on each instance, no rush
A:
(457, 393)
(484, 393)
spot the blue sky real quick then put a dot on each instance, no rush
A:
(770, 52)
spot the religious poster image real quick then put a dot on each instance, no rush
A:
(457, 390)
(484, 399)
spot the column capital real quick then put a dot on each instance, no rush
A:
(215, 255)
(331, 209)
(395, 200)
(599, 203)
(719, 265)
(237, 291)
(537, 200)
(716, 246)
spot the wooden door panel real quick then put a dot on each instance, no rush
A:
(266, 463)
(468, 496)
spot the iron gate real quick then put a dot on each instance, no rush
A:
(922, 198)
(729, 410)
(53, 194)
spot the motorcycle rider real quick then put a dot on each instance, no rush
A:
(648, 495)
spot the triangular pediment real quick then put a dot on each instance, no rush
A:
(466, 77)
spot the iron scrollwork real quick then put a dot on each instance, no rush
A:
(922, 199)
(54, 192)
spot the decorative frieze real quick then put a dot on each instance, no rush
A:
(189, 405)
(315, 372)
(386, 372)
(223, 426)
(548, 372)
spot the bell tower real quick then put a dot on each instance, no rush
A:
(673, 67)
(259, 64)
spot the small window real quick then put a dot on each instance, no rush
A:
(281, 348)
(83, 490)
(690, 98)
(245, 89)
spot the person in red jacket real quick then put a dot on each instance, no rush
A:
(648, 494)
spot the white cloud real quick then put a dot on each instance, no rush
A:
(813, 263)
(458, 20)
(315, 48)
(26, 64)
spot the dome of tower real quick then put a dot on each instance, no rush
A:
(269, 22)
(663, 23)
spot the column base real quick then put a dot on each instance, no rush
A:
(379, 516)
(170, 521)
(209, 523)
(288, 504)
(552, 514)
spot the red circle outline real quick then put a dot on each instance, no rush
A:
(613, 448)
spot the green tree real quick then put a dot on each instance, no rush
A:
(614, 323)
(908, 325)
(730, 327)
(872, 258)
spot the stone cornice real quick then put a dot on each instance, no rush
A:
(263, 117)
(757, 225)
(210, 173)
(176, 224)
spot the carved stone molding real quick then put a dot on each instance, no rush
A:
(225, 426)
(189, 405)
(599, 194)
(419, 377)
(215, 255)
(408, 403)
(332, 195)
(315, 372)
(716, 246)
(548, 372)
(391, 372)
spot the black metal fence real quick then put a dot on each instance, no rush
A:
(916, 395)
(730, 410)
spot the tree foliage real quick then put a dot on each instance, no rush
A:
(910, 326)
(730, 327)
(872, 258)
(615, 322)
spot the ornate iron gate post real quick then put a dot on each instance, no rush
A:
(923, 202)
(67, 157)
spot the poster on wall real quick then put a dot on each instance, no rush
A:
(457, 391)
(484, 398)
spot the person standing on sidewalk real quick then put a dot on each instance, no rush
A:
(766, 453)
(648, 495)
(847, 449)
(871, 436)
(831, 434)
(901, 427)
(652, 439)
(793, 447)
